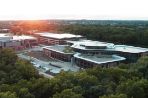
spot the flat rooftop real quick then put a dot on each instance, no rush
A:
(89, 43)
(23, 37)
(99, 59)
(7, 36)
(4, 34)
(129, 49)
(58, 36)
(82, 44)
(4, 29)
(65, 49)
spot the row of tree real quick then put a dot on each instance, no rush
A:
(25, 27)
(123, 34)
(19, 79)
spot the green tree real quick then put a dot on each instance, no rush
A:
(114, 96)
(8, 95)
(24, 93)
(67, 93)
(134, 88)
(141, 66)
(7, 59)
(26, 69)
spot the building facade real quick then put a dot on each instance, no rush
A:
(17, 42)
(57, 52)
(89, 60)
(55, 38)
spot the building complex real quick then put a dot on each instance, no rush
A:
(75, 49)
(131, 53)
(85, 60)
(88, 53)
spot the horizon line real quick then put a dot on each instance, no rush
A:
(74, 19)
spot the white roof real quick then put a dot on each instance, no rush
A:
(4, 29)
(5, 36)
(99, 60)
(2, 35)
(130, 49)
(58, 36)
(22, 37)
(93, 43)
(110, 46)
(80, 44)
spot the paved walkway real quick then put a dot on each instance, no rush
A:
(45, 75)
(47, 65)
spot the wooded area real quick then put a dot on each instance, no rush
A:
(19, 79)
(120, 34)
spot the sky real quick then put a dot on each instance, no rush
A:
(74, 9)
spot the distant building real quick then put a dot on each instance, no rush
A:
(27, 41)
(17, 42)
(55, 38)
(4, 30)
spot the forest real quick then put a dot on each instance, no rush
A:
(120, 34)
(19, 79)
